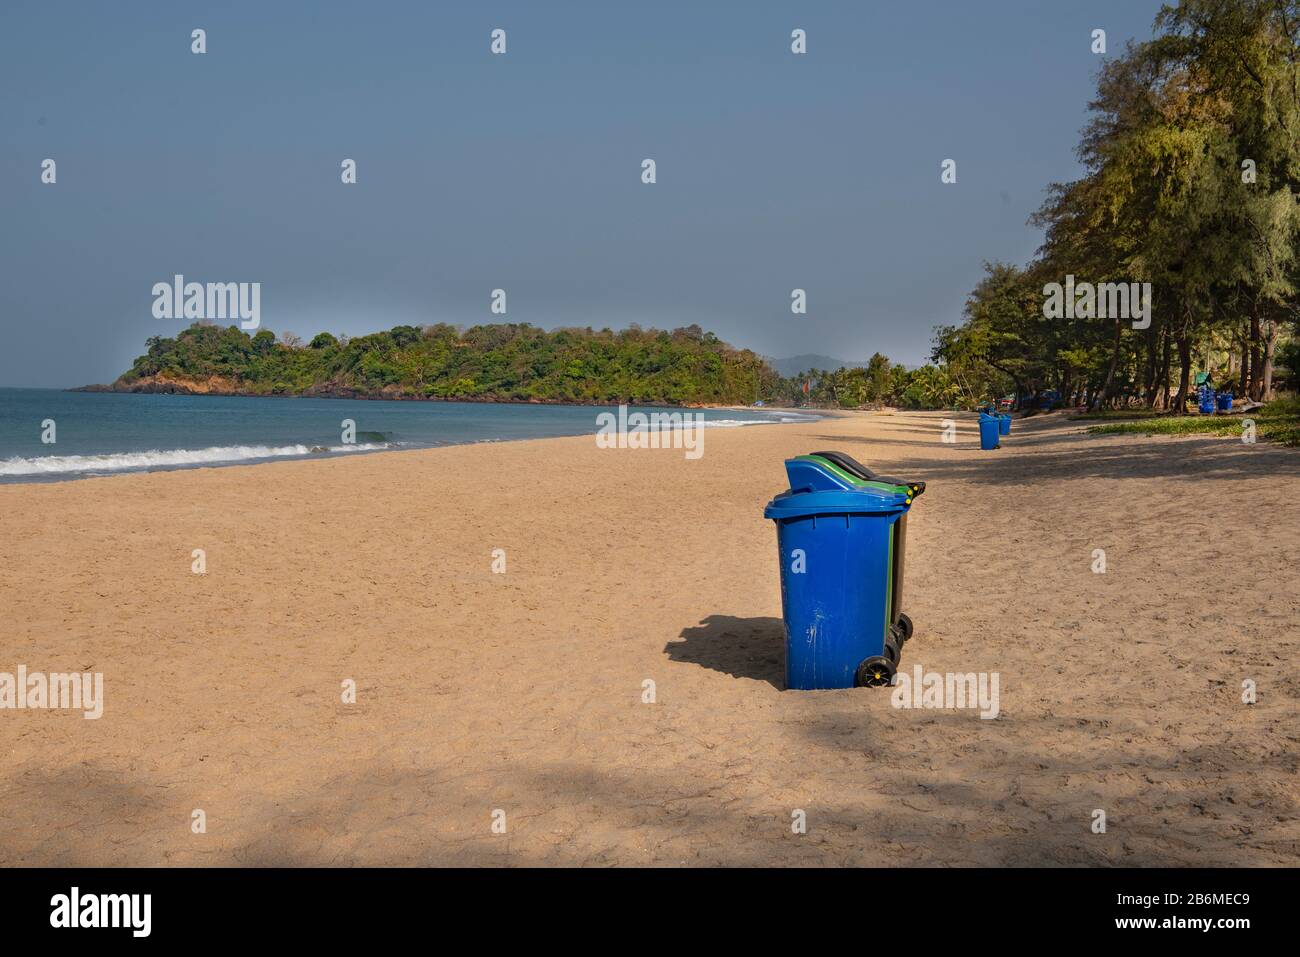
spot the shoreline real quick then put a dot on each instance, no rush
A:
(99, 465)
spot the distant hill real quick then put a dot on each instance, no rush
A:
(796, 364)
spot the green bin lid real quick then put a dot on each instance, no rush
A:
(859, 476)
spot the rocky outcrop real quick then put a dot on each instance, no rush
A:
(166, 385)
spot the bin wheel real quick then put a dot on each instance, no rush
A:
(904, 626)
(893, 649)
(875, 672)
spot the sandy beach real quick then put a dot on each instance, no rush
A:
(523, 691)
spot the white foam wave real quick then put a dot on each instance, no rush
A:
(779, 420)
(687, 420)
(170, 458)
(736, 423)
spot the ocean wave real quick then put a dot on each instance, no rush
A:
(170, 458)
(686, 420)
(783, 419)
(736, 423)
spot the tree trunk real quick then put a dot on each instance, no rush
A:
(1165, 357)
(1152, 368)
(1270, 347)
(1185, 377)
(1110, 372)
(1256, 371)
(1244, 382)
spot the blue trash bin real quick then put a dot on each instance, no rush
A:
(841, 555)
(1004, 424)
(1206, 400)
(1225, 401)
(990, 429)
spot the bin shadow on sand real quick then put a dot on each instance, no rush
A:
(740, 647)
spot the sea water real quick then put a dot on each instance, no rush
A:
(105, 433)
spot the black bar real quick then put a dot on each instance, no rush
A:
(952, 907)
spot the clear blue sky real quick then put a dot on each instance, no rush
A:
(523, 171)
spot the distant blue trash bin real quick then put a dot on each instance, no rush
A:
(1004, 424)
(1225, 401)
(839, 566)
(990, 429)
(1206, 400)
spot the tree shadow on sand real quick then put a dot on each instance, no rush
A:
(741, 647)
(1080, 457)
(1058, 454)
